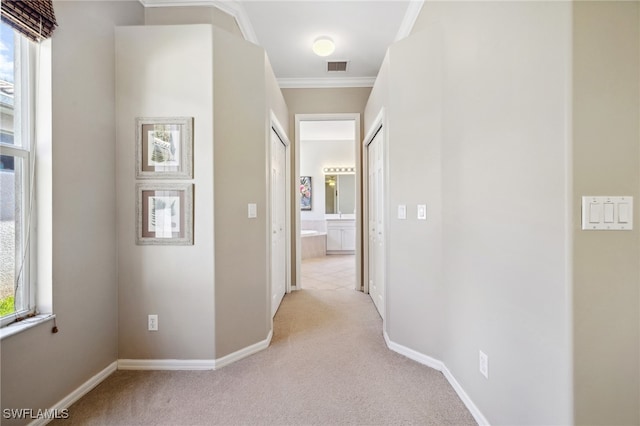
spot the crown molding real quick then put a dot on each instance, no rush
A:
(230, 7)
(409, 20)
(331, 82)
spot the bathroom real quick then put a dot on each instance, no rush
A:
(327, 188)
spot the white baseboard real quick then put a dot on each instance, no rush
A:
(473, 409)
(193, 364)
(81, 391)
(245, 352)
(440, 366)
(166, 364)
(414, 355)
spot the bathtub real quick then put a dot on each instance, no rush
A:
(314, 243)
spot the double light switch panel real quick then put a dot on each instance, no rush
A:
(607, 213)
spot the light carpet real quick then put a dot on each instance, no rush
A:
(327, 365)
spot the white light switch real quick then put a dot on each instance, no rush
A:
(623, 213)
(594, 212)
(607, 213)
(252, 210)
(402, 211)
(422, 211)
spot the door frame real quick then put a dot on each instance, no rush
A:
(296, 198)
(274, 125)
(378, 123)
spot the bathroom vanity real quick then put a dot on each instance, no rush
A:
(340, 206)
(341, 236)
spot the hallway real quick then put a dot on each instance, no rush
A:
(327, 365)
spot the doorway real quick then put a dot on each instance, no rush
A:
(375, 217)
(321, 179)
(278, 220)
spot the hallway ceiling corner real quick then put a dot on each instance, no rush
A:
(362, 31)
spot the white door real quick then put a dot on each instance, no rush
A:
(376, 222)
(278, 222)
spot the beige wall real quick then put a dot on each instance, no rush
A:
(227, 84)
(179, 15)
(243, 95)
(40, 368)
(606, 158)
(325, 101)
(165, 71)
(479, 133)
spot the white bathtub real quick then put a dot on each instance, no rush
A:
(307, 232)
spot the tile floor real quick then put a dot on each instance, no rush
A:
(331, 272)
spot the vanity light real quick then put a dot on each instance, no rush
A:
(323, 46)
(339, 169)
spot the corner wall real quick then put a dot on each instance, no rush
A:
(40, 368)
(480, 97)
(165, 71)
(242, 290)
(606, 156)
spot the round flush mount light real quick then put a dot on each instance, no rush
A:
(323, 46)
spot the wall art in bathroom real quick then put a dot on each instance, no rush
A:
(305, 192)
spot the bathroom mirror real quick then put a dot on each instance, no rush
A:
(340, 193)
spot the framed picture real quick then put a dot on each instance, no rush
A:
(305, 192)
(164, 214)
(164, 148)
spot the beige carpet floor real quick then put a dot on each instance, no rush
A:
(327, 365)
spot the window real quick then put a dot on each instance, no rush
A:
(17, 295)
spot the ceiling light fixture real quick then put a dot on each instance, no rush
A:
(323, 46)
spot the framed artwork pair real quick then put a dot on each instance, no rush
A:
(164, 211)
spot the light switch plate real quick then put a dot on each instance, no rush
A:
(422, 212)
(402, 211)
(252, 210)
(601, 213)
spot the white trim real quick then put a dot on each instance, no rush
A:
(440, 366)
(193, 364)
(166, 364)
(409, 20)
(282, 134)
(414, 355)
(466, 400)
(329, 82)
(18, 327)
(81, 391)
(230, 7)
(245, 352)
(373, 129)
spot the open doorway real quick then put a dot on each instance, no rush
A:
(328, 218)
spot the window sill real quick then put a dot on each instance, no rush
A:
(19, 327)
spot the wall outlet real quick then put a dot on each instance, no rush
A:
(153, 323)
(484, 364)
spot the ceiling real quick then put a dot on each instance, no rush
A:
(361, 29)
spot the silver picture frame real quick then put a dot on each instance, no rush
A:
(164, 214)
(164, 148)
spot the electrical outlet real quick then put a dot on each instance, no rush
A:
(484, 364)
(153, 323)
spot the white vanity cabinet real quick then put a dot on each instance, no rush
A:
(341, 236)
